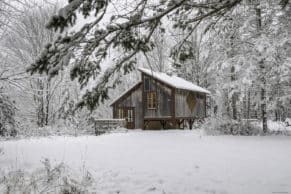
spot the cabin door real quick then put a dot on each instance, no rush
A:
(130, 118)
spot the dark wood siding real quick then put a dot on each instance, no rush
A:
(163, 108)
(132, 99)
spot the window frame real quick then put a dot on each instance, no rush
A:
(152, 100)
(120, 110)
(147, 80)
(130, 115)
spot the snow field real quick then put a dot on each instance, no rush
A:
(172, 162)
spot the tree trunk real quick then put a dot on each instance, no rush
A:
(234, 96)
(248, 104)
(262, 68)
(40, 105)
(264, 109)
(227, 104)
(263, 97)
(47, 102)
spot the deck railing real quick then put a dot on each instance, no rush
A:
(104, 125)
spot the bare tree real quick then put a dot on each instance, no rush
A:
(23, 43)
(158, 57)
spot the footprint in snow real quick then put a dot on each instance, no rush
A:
(152, 189)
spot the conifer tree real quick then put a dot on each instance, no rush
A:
(95, 40)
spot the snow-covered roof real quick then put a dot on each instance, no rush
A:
(125, 92)
(174, 81)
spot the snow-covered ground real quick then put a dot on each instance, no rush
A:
(172, 162)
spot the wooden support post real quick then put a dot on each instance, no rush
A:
(191, 121)
(145, 124)
(179, 122)
(142, 102)
(173, 92)
(163, 123)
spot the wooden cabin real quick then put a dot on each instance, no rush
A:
(160, 101)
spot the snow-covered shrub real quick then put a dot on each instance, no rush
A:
(54, 131)
(276, 128)
(227, 126)
(7, 116)
(198, 124)
(72, 117)
(58, 179)
(247, 128)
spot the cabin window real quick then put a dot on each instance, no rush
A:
(130, 115)
(152, 100)
(147, 84)
(120, 113)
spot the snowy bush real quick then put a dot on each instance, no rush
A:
(275, 128)
(66, 131)
(198, 124)
(227, 126)
(54, 131)
(7, 116)
(61, 130)
(58, 179)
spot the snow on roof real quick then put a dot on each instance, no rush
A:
(125, 92)
(174, 81)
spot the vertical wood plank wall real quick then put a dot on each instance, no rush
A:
(182, 108)
(142, 107)
(134, 99)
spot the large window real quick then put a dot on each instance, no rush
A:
(120, 113)
(152, 100)
(130, 115)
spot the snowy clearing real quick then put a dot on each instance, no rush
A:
(163, 161)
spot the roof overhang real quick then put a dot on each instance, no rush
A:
(125, 93)
(174, 81)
